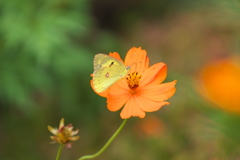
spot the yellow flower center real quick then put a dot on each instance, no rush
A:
(64, 134)
(133, 80)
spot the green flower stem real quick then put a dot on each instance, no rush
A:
(59, 151)
(106, 145)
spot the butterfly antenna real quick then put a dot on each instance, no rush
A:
(136, 63)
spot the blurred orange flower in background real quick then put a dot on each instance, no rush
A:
(152, 126)
(141, 90)
(219, 83)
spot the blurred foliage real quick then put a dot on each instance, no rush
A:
(46, 52)
(42, 67)
(37, 51)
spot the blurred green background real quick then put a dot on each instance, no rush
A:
(46, 53)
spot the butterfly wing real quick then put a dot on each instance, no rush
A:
(107, 71)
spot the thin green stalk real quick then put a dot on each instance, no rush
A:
(106, 145)
(59, 151)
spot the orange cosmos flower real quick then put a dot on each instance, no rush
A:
(219, 83)
(141, 90)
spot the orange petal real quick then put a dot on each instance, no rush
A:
(155, 74)
(149, 105)
(158, 92)
(116, 55)
(117, 97)
(137, 59)
(132, 109)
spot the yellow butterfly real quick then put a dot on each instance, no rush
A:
(107, 71)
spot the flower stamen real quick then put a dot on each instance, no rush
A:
(133, 80)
